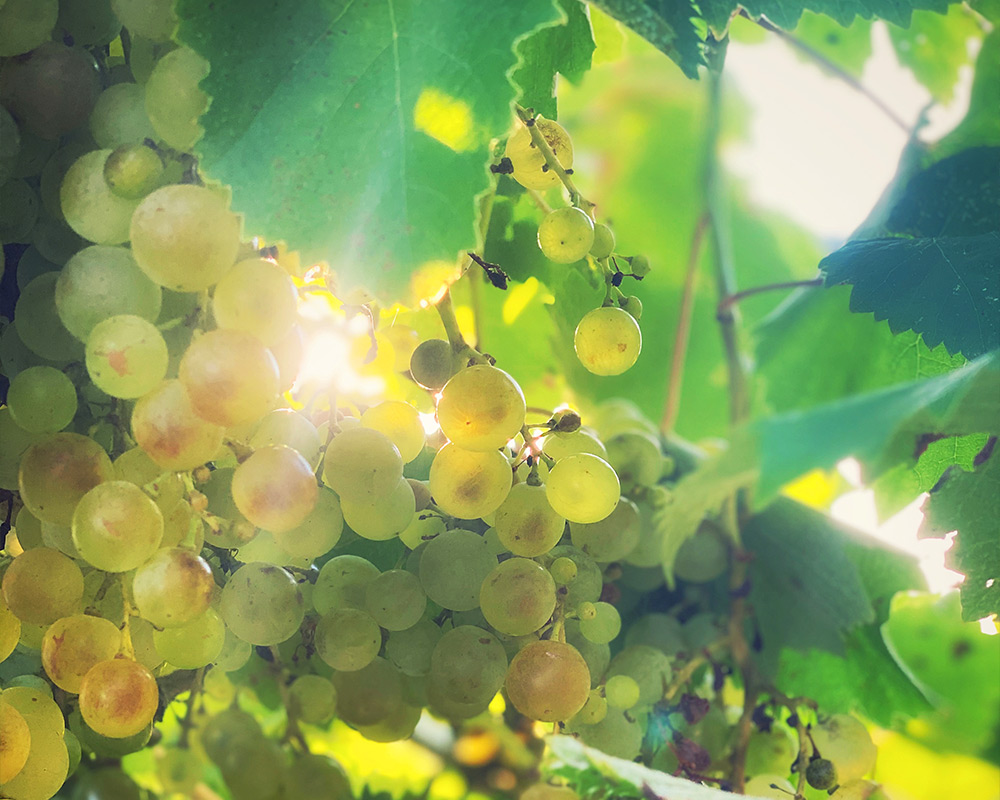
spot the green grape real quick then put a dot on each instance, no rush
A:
(74, 749)
(468, 665)
(633, 305)
(347, 639)
(16, 442)
(100, 282)
(166, 488)
(604, 626)
(230, 377)
(55, 240)
(761, 786)
(262, 604)
(702, 630)
(15, 357)
(654, 518)
(194, 644)
(118, 698)
(467, 484)
(583, 488)
(362, 465)
(622, 692)
(845, 742)
(319, 532)
(42, 400)
(343, 583)
(410, 649)
(586, 611)
(179, 770)
(369, 695)
(636, 458)
(530, 169)
(106, 746)
(72, 645)
(548, 681)
(560, 445)
(18, 211)
(384, 517)
(442, 705)
(10, 145)
(151, 19)
(29, 529)
(217, 684)
(47, 764)
(432, 363)
(226, 731)
(607, 341)
(518, 597)
(318, 776)
(395, 600)
(133, 171)
(453, 567)
(604, 241)
(167, 429)
(173, 100)
(659, 631)
(235, 653)
(90, 207)
(313, 699)
(566, 235)
(481, 408)
(184, 237)
(399, 725)
(59, 537)
(257, 297)
(16, 738)
(116, 527)
(611, 539)
(275, 488)
(126, 356)
(593, 711)
(38, 324)
(57, 471)
(648, 667)
(618, 734)
(87, 22)
(401, 423)
(25, 24)
(703, 557)
(289, 353)
(283, 426)
(32, 264)
(173, 587)
(588, 583)
(141, 631)
(525, 522)
(640, 266)
(119, 117)
(563, 570)
(421, 530)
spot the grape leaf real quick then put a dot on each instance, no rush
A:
(969, 502)
(361, 137)
(847, 46)
(981, 124)
(666, 24)
(565, 49)
(785, 13)
(947, 289)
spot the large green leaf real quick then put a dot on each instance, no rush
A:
(357, 132)
(786, 13)
(666, 24)
(936, 46)
(969, 502)
(846, 46)
(947, 289)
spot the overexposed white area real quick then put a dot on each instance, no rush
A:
(819, 150)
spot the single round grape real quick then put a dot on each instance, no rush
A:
(184, 237)
(563, 570)
(636, 458)
(275, 488)
(560, 445)
(622, 692)
(167, 429)
(528, 162)
(369, 695)
(119, 117)
(481, 408)
(318, 776)
(383, 518)
(468, 665)
(90, 207)
(607, 341)
(133, 171)
(283, 426)
(173, 99)
(548, 681)
(173, 587)
(42, 585)
(108, 782)
(25, 24)
(632, 305)
(395, 600)
(179, 770)
(343, 583)
(262, 604)
(399, 421)
(432, 363)
(116, 527)
(15, 742)
(604, 241)
(604, 626)
(72, 645)
(467, 484)
(362, 465)
(29, 529)
(518, 597)
(649, 668)
(42, 400)
(126, 356)
(702, 558)
(319, 532)
(398, 725)
(619, 734)
(843, 740)
(194, 644)
(761, 786)
(38, 324)
(453, 567)
(442, 705)
(410, 649)
(593, 711)
(525, 522)
(257, 297)
(57, 471)
(566, 235)
(235, 653)
(660, 631)
(313, 699)
(583, 488)
(611, 539)
(118, 698)
(347, 639)
(151, 19)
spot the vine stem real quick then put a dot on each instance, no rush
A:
(728, 302)
(446, 310)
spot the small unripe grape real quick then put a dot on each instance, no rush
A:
(607, 341)
(133, 171)
(604, 241)
(640, 266)
(566, 235)
(622, 692)
(563, 570)
(821, 774)
(594, 710)
(432, 363)
(586, 610)
(633, 305)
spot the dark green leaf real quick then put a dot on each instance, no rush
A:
(361, 136)
(969, 502)
(785, 13)
(666, 24)
(947, 289)
(936, 46)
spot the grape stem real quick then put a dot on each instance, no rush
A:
(461, 348)
(293, 731)
(188, 722)
(805, 743)
(727, 302)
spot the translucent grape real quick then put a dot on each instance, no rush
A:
(126, 356)
(636, 458)
(116, 527)
(257, 297)
(703, 557)
(179, 770)
(453, 567)
(173, 100)
(184, 237)
(29, 529)
(604, 241)
(845, 741)
(560, 445)
(347, 639)
(526, 523)
(18, 211)
(481, 408)
(100, 282)
(133, 171)
(384, 517)
(593, 711)
(173, 587)
(432, 363)
(194, 644)
(42, 400)
(467, 484)
(151, 19)
(468, 665)
(401, 423)
(288, 427)
(141, 632)
(319, 532)
(57, 471)
(167, 429)
(410, 649)
(88, 204)
(548, 681)
(343, 583)
(10, 629)
(618, 734)
(118, 698)
(72, 645)
(528, 161)
(119, 117)
(313, 699)
(622, 692)
(275, 488)
(395, 600)
(518, 597)
(648, 667)
(234, 654)
(398, 725)
(583, 488)
(604, 626)
(611, 539)
(362, 465)
(369, 695)
(563, 570)
(15, 742)
(289, 353)
(566, 235)
(607, 341)
(262, 604)
(38, 324)
(422, 529)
